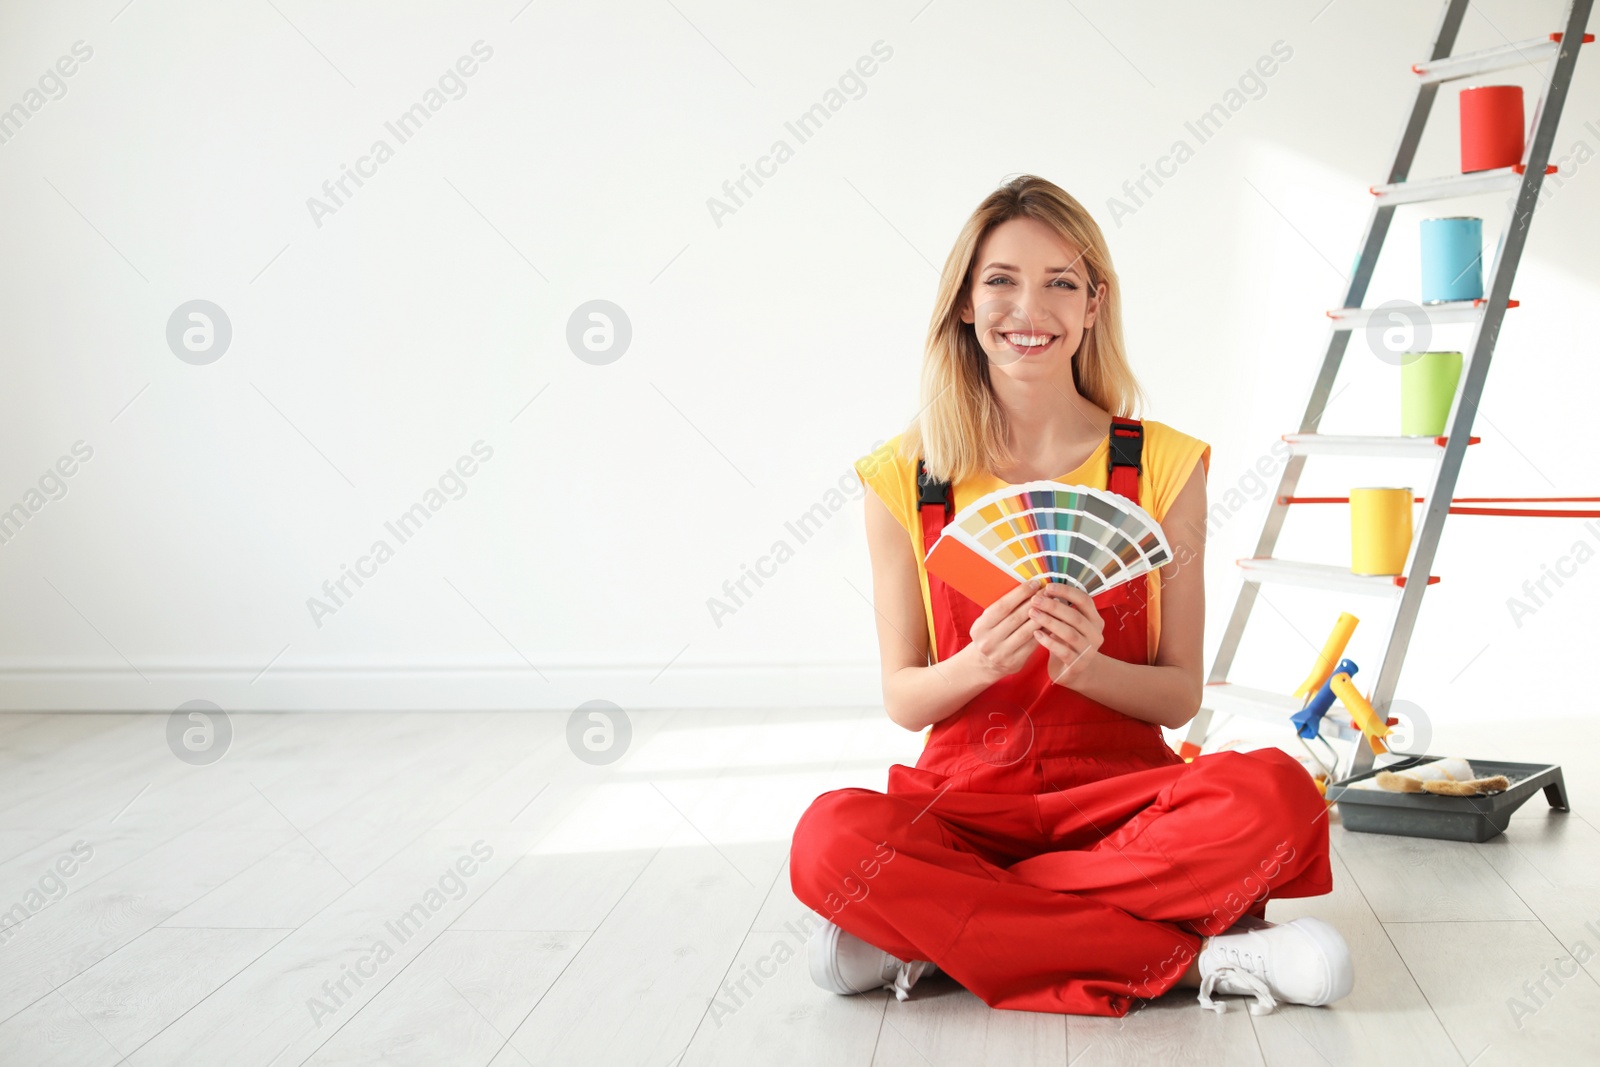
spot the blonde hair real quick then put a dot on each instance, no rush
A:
(961, 428)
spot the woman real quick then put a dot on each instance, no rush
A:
(1050, 851)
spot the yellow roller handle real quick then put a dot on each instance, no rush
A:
(1360, 711)
(1328, 658)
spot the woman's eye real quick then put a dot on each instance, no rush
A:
(1001, 280)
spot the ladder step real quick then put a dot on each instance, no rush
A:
(1321, 444)
(1248, 703)
(1322, 576)
(1500, 57)
(1437, 314)
(1449, 185)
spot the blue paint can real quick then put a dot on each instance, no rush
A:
(1452, 259)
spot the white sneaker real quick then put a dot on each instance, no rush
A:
(1302, 962)
(843, 963)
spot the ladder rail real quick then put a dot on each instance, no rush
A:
(1377, 230)
(1508, 256)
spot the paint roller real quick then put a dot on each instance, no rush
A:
(1309, 718)
(1360, 711)
(1328, 660)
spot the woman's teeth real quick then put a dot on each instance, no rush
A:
(1029, 342)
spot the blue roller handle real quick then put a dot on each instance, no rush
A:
(1309, 718)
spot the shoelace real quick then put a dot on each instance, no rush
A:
(906, 975)
(1246, 972)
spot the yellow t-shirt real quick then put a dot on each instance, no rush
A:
(1168, 458)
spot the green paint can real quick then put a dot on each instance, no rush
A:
(1427, 389)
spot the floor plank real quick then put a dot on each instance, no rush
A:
(456, 1003)
(295, 997)
(1552, 862)
(1482, 980)
(50, 1031)
(120, 1001)
(943, 1023)
(1409, 879)
(1170, 1029)
(766, 1010)
(88, 925)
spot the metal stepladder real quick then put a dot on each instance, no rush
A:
(1447, 451)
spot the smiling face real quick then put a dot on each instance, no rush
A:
(1028, 300)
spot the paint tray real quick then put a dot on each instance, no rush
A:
(1375, 811)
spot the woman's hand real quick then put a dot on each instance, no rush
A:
(1070, 627)
(1002, 637)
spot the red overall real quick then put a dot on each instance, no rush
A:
(1047, 852)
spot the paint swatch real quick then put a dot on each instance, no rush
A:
(1089, 538)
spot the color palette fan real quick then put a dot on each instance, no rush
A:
(1090, 538)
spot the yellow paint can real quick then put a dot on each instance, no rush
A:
(1380, 530)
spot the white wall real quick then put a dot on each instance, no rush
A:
(371, 351)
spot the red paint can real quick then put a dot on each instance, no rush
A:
(1491, 127)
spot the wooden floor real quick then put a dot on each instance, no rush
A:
(461, 889)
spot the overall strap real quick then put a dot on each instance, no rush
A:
(935, 504)
(1126, 462)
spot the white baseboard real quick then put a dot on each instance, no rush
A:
(118, 687)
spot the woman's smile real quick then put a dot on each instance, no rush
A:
(1028, 344)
